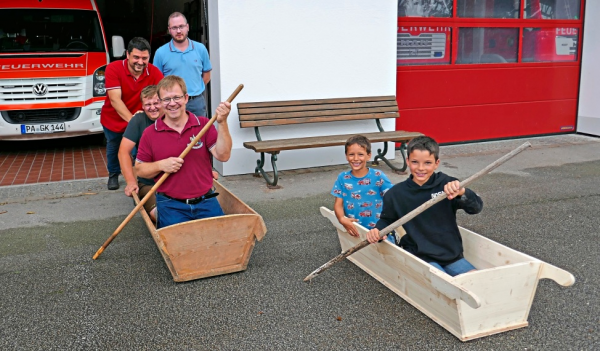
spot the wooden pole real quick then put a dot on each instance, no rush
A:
(412, 214)
(163, 178)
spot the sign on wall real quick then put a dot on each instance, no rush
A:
(423, 45)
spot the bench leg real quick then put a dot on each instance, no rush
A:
(381, 155)
(259, 169)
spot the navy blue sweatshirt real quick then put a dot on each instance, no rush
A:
(432, 235)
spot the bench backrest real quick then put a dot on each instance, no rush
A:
(272, 113)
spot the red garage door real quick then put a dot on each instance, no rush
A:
(487, 69)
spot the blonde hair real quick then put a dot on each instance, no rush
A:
(168, 82)
(148, 92)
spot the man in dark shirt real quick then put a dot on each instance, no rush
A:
(152, 109)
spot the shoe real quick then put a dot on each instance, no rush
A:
(113, 181)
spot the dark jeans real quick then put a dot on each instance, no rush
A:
(197, 106)
(113, 141)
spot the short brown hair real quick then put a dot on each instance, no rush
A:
(148, 92)
(173, 15)
(360, 140)
(424, 143)
(169, 82)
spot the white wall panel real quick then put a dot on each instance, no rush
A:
(300, 49)
(588, 119)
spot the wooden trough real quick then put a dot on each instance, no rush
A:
(211, 246)
(495, 298)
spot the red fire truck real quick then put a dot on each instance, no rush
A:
(52, 60)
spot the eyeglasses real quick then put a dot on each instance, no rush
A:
(178, 28)
(152, 104)
(175, 99)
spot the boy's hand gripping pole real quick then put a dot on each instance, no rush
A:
(412, 214)
(163, 178)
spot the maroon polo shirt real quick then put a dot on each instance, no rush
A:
(159, 141)
(118, 77)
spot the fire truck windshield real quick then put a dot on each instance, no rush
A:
(32, 30)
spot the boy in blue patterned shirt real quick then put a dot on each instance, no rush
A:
(359, 191)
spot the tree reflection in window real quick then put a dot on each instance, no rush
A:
(552, 9)
(488, 8)
(425, 8)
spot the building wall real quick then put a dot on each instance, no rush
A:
(588, 120)
(291, 49)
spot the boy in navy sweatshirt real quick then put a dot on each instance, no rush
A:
(433, 235)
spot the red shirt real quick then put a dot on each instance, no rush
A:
(118, 77)
(194, 178)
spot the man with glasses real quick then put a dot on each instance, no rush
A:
(124, 82)
(185, 58)
(152, 109)
(187, 193)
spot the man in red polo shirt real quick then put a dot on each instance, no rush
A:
(124, 82)
(187, 193)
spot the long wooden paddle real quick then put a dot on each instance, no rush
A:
(164, 177)
(412, 214)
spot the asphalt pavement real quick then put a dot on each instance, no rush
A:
(544, 202)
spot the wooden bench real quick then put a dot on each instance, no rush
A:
(277, 113)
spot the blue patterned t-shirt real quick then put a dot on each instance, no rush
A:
(363, 197)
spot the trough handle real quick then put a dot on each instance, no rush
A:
(452, 290)
(560, 276)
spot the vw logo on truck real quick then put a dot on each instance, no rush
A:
(40, 89)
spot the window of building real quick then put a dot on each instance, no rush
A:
(452, 32)
(488, 8)
(423, 45)
(550, 44)
(553, 9)
(425, 8)
(487, 45)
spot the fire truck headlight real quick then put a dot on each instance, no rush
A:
(99, 86)
(99, 89)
